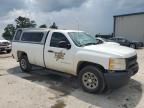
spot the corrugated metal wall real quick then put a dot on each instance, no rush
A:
(130, 27)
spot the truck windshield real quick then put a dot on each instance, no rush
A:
(81, 39)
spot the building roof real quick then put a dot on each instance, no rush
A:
(130, 14)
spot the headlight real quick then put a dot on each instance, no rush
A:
(117, 64)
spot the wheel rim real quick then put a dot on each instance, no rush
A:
(23, 63)
(90, 80)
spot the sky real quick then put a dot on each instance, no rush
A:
(92, 16)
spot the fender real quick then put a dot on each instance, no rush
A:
(93, 58)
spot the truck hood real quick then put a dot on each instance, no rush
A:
(111, 43)
(112, 50)
(4, 40)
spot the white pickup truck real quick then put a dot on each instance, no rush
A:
(5, 45)
(98, 66)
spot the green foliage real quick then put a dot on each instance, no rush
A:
(54, 26)
(23, 22)
(43, 26)
(9, 32)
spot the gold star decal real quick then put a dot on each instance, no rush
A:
(59, 55)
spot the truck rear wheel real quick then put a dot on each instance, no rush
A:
(24, 64)
(91, 79)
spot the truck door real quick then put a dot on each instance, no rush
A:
(57, 58)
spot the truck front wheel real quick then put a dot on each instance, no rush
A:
(24, 64)
(91, 79)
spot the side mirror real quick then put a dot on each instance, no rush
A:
(99, 41)
(64, 44)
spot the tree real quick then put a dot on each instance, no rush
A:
(9, 32)
(54, 26)
(23, 22)
(43, 26)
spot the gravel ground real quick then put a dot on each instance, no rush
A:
(40, 89)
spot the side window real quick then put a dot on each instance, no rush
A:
(32, 37)
(56, 38)
(18, 34)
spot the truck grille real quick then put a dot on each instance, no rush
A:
(4, 44)
(131, 61)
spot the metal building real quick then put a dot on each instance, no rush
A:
(130, 26)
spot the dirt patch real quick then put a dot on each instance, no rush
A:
(124, 106)
(59, 104)
(2, 74)
(55, 82)
(136, 86)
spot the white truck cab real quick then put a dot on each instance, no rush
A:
(77, 53)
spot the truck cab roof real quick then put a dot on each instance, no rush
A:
(46, 29)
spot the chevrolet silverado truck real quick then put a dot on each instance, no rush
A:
(97, 66)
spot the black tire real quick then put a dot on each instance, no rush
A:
(98, 86)
(24, 64)
(8, 51)
(133, 46)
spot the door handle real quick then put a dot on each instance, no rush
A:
(50, 51)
